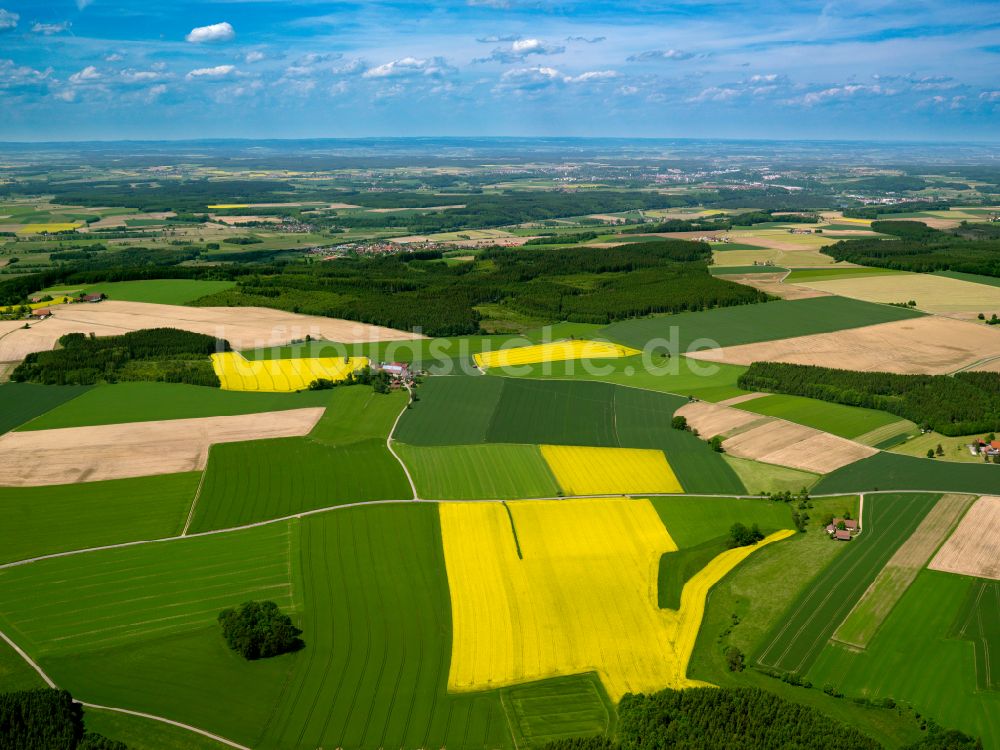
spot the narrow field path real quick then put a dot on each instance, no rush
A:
(388, 443)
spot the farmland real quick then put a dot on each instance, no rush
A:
(491, 553)
(604, 471)
(141, 402)
(796, 642)
(846, 421)
(22, 402)
(280, 375)
(554, 539)
(755, 323)
(478, 472)
(46, 520)
(943, 683)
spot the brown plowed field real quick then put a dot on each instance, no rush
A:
(974, 548)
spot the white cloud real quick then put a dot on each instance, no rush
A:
(155, 92)
(219, 71)
(715, 94)
(81, 4)
(253, 56)
(409, 66)
(139, 76)
(592, 75)
(520, 49)
(66, 95)
(216, 32)
(13, 75)
(87, 75)
(113, 57)
(846, 91)
(662, 54)
(8, 19)
(990, 96)
(48, 29)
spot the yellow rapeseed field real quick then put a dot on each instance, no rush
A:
(239, 374)
(38, 305)
(610, 471)
(552, 352)
(50, 228)
(583, 598)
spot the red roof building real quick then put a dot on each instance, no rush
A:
(842, 535)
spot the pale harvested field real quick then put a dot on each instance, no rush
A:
(934, 222)
(244, 327)
(780, 239)
(771, 284)
(937, 294)
(233, 220)
(713, 419)
(740, 399)
(974, 548)
(930, 345)
(863, 621)
(796, 446)
(793, 258)
(17, 342)
(116, 451)
(119, 221)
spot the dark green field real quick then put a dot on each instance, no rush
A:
(22, 402)
(747, 324)
(891, 471)
(142, 402)
(804, 630)
(454, 411)
(978, 621)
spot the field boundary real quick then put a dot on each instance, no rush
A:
(197, 493)
(389, 440)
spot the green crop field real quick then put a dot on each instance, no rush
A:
(642, 420)
(563, 412)
(747, 324)
(973, 277)
(378, 631)
(560, 412)
(741, 270)
(681, 375)
(745, 605)
(161, 291)
(141, 402)
(759, 477)
(145, 734)
(59, 518)
(806, 627)
(942, 681)
(15, 673)
(262, 479)
(556, 709)
(355, 413)
(890, 471)
(478, 472)
(451, 411)
(978, 621)
(677, 568)
(21, 402)
(141, 632)
(692, 521)
(838, 419)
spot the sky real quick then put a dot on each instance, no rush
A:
(135, 69)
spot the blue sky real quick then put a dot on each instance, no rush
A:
(106, 69)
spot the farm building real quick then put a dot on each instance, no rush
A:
(92, 298)
(41, 313)
(988, 447)
(850, 528)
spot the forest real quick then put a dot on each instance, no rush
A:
(155, 354)
(46, 719)
(712, 718)
(966, 403)
(922, 249)
(581, 284)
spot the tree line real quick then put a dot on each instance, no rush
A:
(712, 718)
(963, 404)
(157, 354)
(46, 719)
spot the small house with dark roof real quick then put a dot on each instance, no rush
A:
(842, 535)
